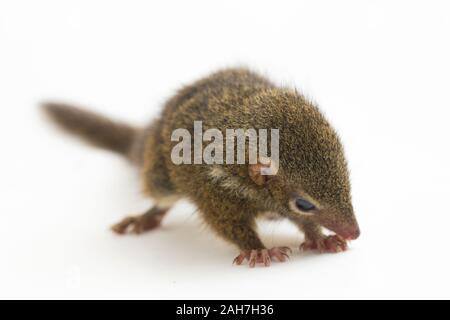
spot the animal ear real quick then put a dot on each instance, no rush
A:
(263, 171)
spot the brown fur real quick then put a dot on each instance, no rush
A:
(93, 128)
(312, 162)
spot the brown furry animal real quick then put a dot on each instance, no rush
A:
(311, 188)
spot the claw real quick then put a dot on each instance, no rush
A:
(332, 244)
(137, 225)
(263, 256)
(280, 253)
(239, 259)
(121, 227)
(252, 259)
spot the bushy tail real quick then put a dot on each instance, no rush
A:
(93, 128)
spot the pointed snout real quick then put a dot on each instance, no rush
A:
(343, 223)
(349, 232)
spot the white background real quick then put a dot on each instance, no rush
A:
(380, 71)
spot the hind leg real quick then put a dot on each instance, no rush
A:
(142, 223)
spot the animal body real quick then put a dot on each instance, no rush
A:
(311, 187)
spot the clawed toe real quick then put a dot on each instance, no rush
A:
(263, 256)
(121, 227)
(240, 258)
(281, 253)
(135, 225)
(332, 244)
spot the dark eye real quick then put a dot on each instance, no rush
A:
(304, 205)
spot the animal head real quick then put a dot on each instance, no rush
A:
(312, 178)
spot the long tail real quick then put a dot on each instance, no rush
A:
(93, 128)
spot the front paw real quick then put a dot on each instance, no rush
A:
(331, 244)
(263, 256)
